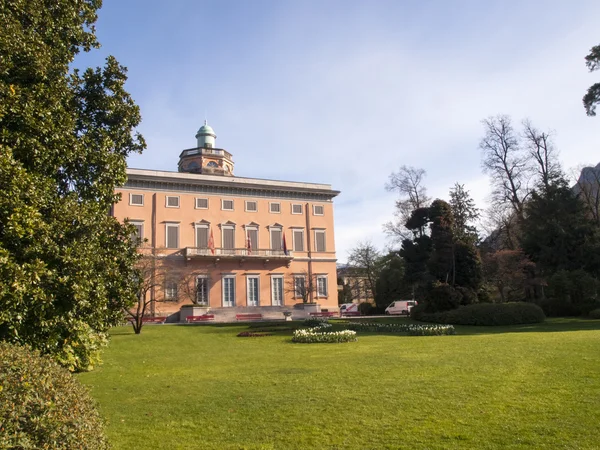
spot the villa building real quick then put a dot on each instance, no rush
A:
(221, 241)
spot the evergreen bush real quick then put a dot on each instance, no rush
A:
(485, 314)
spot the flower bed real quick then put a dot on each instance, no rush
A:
(313, 335)
(253, 334)
(316, 322)
(410, 329)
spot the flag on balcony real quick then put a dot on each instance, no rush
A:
(211, 242)
(285, 252)
(249, 243)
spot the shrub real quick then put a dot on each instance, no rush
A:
(315, 322)
(442, 297)
(468, 296)
(489, 314)
(366, 309)
(254, 334)
(313, 336)
(595, 314)
(553, 307)
(43, 406)
(410, 329)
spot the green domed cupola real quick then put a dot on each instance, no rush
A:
(206, 136)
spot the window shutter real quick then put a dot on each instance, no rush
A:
(298, 241)
(318, 210)
(296, 209)
(276, 239)
(137, 199)
(228, 238)
(251, 206)
(202, 237)
(275, 207)
(172, 237)
(253, 236)
(173, 202)
(202, 203)
(320, 241)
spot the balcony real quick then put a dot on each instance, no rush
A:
(238, 254)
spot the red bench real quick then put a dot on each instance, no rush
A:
(351, 313)
(202, 318)
(323, 314)
(248, 317)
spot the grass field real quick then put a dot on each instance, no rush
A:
(183, 387)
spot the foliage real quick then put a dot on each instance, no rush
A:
(442, 297)
(66, 266)
(441, 262)
(314, 336)
(553, 307)
(592, 98)
(468, 270)
(391, 283)
(464, 213)
(409, 329)
(253, 334)
(43, 406)
(366, 309)
(557, 234)
(595, 313)
(313, 322)
(487, 314)
(507, 271)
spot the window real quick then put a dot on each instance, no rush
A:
(136, 199)
(252, 290)
(201, 203)
(321, 285)
(299, 286)
(229, 290)
(228, 236)
(138, 235)
(318, 210)
(227, 205)
(202, 290)
(251, 238)
(275, 208)
(172, 235)
(277, 290)
(298, 238)
(202, 236)
(251, 206)
(296, 208)
(171, 289)
(276, 239)
(212, 163)
(172, 201)
(319, 240)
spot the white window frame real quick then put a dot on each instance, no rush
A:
(257, 278)
(201, 198)
(294, 230)
(282, 293)
(315, 210)
(319, 294)
(139, 223)
(223, 200)
(168, 288)
(167, 197)
(131, 194)
(324, 239)
(201, 225)
(297, 204)
(250, 210)
(296, 277)
(167, 226)
(203, 277)
(223, 278)
(271, 207)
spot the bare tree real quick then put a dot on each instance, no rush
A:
(365, 261)
(408, 183)
(506, 163)
(542, 154)
(502, 228)
(587, 188)
(302, 286)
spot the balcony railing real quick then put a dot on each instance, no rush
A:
(237, 253)
(207, 151)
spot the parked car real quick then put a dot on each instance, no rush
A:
(400, 307)
(348, 308)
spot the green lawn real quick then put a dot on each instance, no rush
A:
(173, 387)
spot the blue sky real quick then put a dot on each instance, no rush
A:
(345, 92)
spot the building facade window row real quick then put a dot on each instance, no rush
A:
(301, 285)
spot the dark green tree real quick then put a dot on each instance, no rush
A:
(391, 284)
(592, 97)
(464, 214)
(66, 267)
(441, 263)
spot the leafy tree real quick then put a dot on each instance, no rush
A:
(464, 213)
(66, 266)
(592, 97)
(391, 284)
(441, 262)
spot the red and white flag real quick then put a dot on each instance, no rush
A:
(285, 252)
(249, 244)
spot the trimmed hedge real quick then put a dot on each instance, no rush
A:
(409, 329)
(485, 314)
(595, 314)
(43, 406)
(563, 308)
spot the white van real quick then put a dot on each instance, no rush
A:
(400, 307)
(349, 308)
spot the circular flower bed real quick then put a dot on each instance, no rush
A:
(314, 335)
